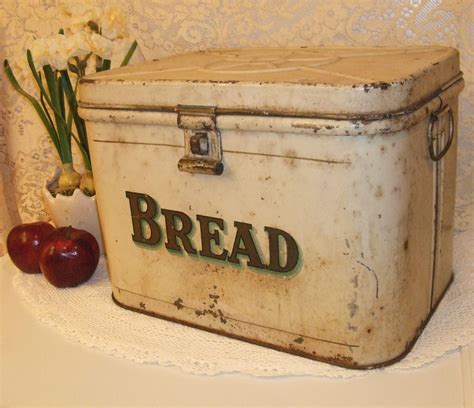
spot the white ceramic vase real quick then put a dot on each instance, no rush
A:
(77, 210)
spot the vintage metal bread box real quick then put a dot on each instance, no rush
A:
(298, 198)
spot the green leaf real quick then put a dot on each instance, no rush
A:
(41, 114)
(61, 126)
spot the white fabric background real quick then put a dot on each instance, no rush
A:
(164, 27)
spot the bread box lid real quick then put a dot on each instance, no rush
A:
(280, 81)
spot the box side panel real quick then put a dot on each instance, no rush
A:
(444, 173)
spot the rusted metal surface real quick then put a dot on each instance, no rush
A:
(328, 234)
(338, 360)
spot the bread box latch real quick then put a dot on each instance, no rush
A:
(202, 140)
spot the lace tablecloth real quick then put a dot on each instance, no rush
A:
(88, 315)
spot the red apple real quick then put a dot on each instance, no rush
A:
(24, 243)
(69, 257)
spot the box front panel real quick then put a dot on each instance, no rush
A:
(304, 242)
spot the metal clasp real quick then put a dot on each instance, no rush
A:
(437, 132)
(202, 140)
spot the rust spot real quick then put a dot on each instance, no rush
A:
(340, 360)
(178, 303)
(142, 305)
(353, 308)
(405, 245)
(299, 340)
(369, 330)
(352, 328)
(291, 155)
(382, 149)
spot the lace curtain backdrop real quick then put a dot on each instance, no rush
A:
(165, 27)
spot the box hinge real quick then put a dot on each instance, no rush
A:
(202, 140)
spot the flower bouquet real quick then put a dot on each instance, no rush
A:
(56, 64)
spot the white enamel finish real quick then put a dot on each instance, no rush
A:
(358, 196)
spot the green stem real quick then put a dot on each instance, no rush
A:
(72, 101)
(84, 153)
(61, 96)
(129, 54)
(106, 65)
(46, 111)
(39, 82)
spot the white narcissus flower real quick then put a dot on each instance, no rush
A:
(78, 45)
(82, 38)
(100, 45)
(113, 23)
(58, 49)
(40, 52)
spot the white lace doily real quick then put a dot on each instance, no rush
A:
(88, 315)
